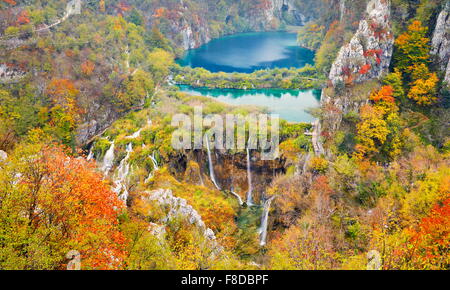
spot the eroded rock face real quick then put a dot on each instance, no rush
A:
(441, 41)
(10, 74)
(98, 118)
(369, 53)
(365, 59)
(178, 207)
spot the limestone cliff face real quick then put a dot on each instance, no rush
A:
(366, 58)
(10, 74)
(369, 53)
(98, 118)
(441, 41)
(176, 207)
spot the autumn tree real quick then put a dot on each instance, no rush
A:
(379, 129)
(372, 131)
(160, 62)
(423, 86)
(87, 67)
(412, 47)
(395, 80)
(50, 204)
(136, 90)
(430, 243)
(63, 112)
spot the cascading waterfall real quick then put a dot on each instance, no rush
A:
(91, 153)
(249, 177)
(122, 173)
(211, 167)
(155, 167)
(135, 135)
(265, 222)
(241, 202)
(154, 161)
(108, 159)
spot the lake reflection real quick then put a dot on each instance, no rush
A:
(291, 105)
(249, 52)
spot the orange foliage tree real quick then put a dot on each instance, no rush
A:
(57, 204)
(11, 2)
(64, 112)
(87, 67)
(413, 47)
(430, 243)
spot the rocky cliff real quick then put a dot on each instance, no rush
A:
(369, 53)
(441, 41)
(366, 57)
(9, 73)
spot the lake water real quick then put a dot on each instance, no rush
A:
(291, 105)
(249, 52)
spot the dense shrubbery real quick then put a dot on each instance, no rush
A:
(304, 78)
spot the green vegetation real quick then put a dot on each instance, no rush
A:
(304, 78)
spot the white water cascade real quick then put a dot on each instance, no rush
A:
(239, 198)
(249, 178)
(122, 173)
(135, 135)
(91, 153)
(155, 167)
(211, 167)
(108, 160)
(265, 222)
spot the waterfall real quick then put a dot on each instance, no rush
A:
(265, 222)
(211, 167)
(249, 177)
(135, 135)
(122, 173)
(154, 161)
(241, 202)
(155, 167)
(91, 153)
(108, 160)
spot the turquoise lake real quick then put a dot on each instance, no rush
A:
(247, 53)
(291, 105)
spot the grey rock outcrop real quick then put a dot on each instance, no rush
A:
(369, 53)
(367, 57)
(441, 41)
(178, 207)
(9, 74)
